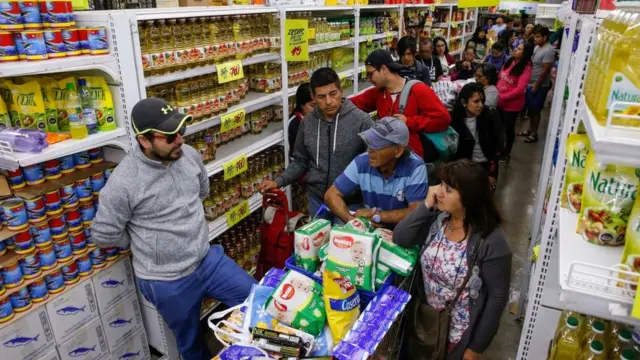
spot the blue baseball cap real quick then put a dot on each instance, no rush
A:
(386, 132)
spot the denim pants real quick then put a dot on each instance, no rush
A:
(179, 301)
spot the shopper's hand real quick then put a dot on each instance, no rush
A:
(401, 117)
(368, 213)
(431, 200)
(492, 182)
(470, 355)
(267, 185)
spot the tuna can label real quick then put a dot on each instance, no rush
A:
(107, 173)
(3, 250)
(67, 164)
(52, 202)
(98, 257)
(70, 273)
(10, 15)
(125, 250)
(85, 267)
(8, 51)
(17, 39)
(41, 234)
(55, 44)
(30, 266)
(88, 211)
(52, 170)
(58, 226)
(54, 281)
(112, 253)
(96, 156)
(81, 159)
(16, 179)
(15, 214)
(54, 13)
(71, 40)
(6, 310)
(21, 301)
(47, 258)
(74, 219)
(97, 41)
(9, 243)
(78, 243)
(34, 45)
(30, 11)
(84, 40)
(97, 182)
(12, 275)
(38, 291)
(24, 247)
(62, 249)
(35, 207)
(68, 196)
(34, 174)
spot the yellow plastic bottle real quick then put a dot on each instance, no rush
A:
(168, 50)
(595, 333)
(595, 352)
(74, 110)
(566, 344)
(155, 48)
(183, 97)
(620, 344)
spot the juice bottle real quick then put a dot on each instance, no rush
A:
(183, 97)
(621, 343)
(155, 48)
(566, 344)
(596, 332)
(595, 351)
(166, 38)
(74, 111)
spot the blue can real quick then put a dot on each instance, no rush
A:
(68, 196)
(62, 248)
(70, 273)
(98, 258)
(30, 11)
(38, 291)
(55, 281)
(8, 242)
(78, 242)
(20, 300)
(88, 211)
(84, 265)
(83, 188)
(16, 179)
(2, 289)
(6, 310)
(36, 209)
(124, 250)
(81, 159)
(30, 266)
(96, 156)
(17, 38)
(12, 275)
(47, 258)
(112, 253)
(107, 173)
(58, 225)
(97, 182)
(3, 247)
(67, 166)
(15, 214)
(98, 43)
(41, 234)
(33, 174)
(87, 232)
(52, 169)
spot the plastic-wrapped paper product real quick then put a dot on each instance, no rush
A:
(25, 140)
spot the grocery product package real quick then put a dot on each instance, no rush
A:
(382, 273)
(308, 341)
(297, 301)
(360, 224)
(5, 120)
(342, 303)
(102, 102)
(400, 260)
(578, 147)
(607, 198)
(254, 314)
(308, 240)
(63, 105)
(50, 89)
(27, 99)
(631, 252)
(323, 343)
(354, 255)
(5, 92)
(241, 351)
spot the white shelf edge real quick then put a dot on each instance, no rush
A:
(65, 64)
(197, 11)
(364, 38)
(319, 8)
(219, 225)
(330, 45)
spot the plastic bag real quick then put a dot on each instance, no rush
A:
(308, 239)
(25, 140)
(342, 303)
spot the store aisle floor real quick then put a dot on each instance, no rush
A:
(516, 196)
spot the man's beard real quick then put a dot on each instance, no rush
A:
(173, 155)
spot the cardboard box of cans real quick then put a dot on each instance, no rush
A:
(28, 338)
(135, 347)
(88, 344)
(121, 322)
(72, 310)
(114, 284)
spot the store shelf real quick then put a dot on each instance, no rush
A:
(364, 38)
(457, 23)
(197, 11)
(219, 225)
(373, 7)
(252, 102)
(613, 144)
(330, 45)
(442, 25)
(67, 64)
(246, 145)
(319, 8)
(345, 71)
(11, 160)
(204, 312)
(407, 6)
(455, 37)
(204, 70)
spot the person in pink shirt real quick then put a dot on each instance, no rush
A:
(512, 84)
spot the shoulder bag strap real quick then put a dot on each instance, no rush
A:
(404, 95)
(474, 258)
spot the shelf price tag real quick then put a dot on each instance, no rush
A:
(232, 120)
(296, 40)
(477, 3)
(369, 40)
(432, 8)
(235, 167)
(230, 71)
(363, 72)
(237, 213)
(389, 37)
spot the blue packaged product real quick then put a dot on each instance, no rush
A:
(41, 234)
(6, 310)
(16, 179)
(36, 209)
(2, 289)
(85, 268)
(38, 290)
(20, 300)
(373, 331)
(81, 160)
(389, 311)
(30, 266)
(67, 164)
(97, 182)
(87, 235)
(30, 11)
(124, 250)
(107, 173)
(363, 341)
(55, 281)
(237, 351)
(62, 248)
(347, 351)
(88, 210)
(8, 242)
(47, 258)
(272, 277)
(68, 196)
(33, 174)
(3, 248)
(83, 188)
(98, 257)
(14, 214)
(70, 273)
(98, 43)
(373, 318)
(17, 38)
(112, 253)
(96, 156)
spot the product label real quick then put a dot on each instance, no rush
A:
(237, 213)
(230, 71)
(235, 167)
(622, 89)
(232, 120)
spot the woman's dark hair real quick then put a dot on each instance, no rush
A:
(505, 36)
(435, 44)
(476, 36)
(323, 77)
(524, 61)
(303, 96)
(407, 42)
(467, 91)
(498, 45)
(471, 180)
(490, 72)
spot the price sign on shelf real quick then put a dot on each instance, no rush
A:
(342, 76)
(235, 167)
(363, 72)
(369, 40)
(229, 71)
(232, 120)
(237, 213)
(296, 40)
(432, 8)
(389, 37)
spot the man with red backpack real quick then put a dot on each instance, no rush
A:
(423, 111)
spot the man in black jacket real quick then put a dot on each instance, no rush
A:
(412, 69)
(431, 63)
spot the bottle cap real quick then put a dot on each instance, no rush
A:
(572, 322)
(598, 327)
(70, 86)
(624, 335)
(628, 354)
(596, 347)
(82, 82)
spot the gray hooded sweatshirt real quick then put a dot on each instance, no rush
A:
(323, 148)
(157, 209)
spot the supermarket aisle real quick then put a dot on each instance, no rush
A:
(518, 181)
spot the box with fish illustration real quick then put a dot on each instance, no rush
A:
(52, 355)
(135, 347)
(113, 284)
(72, 310)
(121, 321)
(89, 344)
(27, 338)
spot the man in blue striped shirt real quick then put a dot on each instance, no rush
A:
(392, 179)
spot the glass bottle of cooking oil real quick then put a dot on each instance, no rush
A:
(621, 343)
(566, 344)
(183, 97)
(155, 48)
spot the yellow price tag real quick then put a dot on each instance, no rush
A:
(342, 76)
(237, 213)
(389, 37)
(296, 41)
(229, 71)
(235, 167)
(369, 40)
(536, 252)
(432, 8)
(232, 120)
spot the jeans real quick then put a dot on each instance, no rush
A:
(509, 122)
(315, 204)
(179, 301)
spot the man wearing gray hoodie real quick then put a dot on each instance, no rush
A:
(327, 140)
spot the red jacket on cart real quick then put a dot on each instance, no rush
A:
(424, 111)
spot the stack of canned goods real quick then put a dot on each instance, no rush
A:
(38, 30)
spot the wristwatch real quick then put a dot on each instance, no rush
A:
(376, 217)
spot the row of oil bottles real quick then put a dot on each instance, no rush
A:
(169, 45)
(613, 72)
(581, 337)
(300, 71)
(322, 29)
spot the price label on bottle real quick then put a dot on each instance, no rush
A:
(230, 71)
(237, 213)
(342, 76)
(235, 167)
(232, 120)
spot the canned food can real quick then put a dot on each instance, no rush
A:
(98, 43)
(6, 310)
(84, 40)
(3, 250)
(47, 258)
(83, 189)
(2, 288)
(38, 291)
(52, 169)
(16, 179)
(20, 300)
(85, 268)
(15, 214)
(62, 248)
(124, 250)
(54, 281)
(12, 275)
(86, 227)
(97, 182)
(81, 159)
(24, 242)
(30, 11)
(17, 39)
(52, 202)
(54, 13)
(58, 225)
(98, 258)
(36, 210)
(10, 15)
(96, 156)
(107, 173)
(74, 219)
(112, 253)
(8, 50)
(41, 234)
(78, 242)
(67, 166)
(71, 40)
(88, 211)
(55, 44)
(34, 45)
(96, 202)
(30, 266)
(33, 174)
(68, 196)
(8, 242)
(70, 273)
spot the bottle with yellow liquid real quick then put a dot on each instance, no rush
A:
(166, 38)
(155, 48)
(77, 127)
(183, 97)
(566, 344)
(621, 343)
(595, 333)
(595, 351)
(625, 84)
